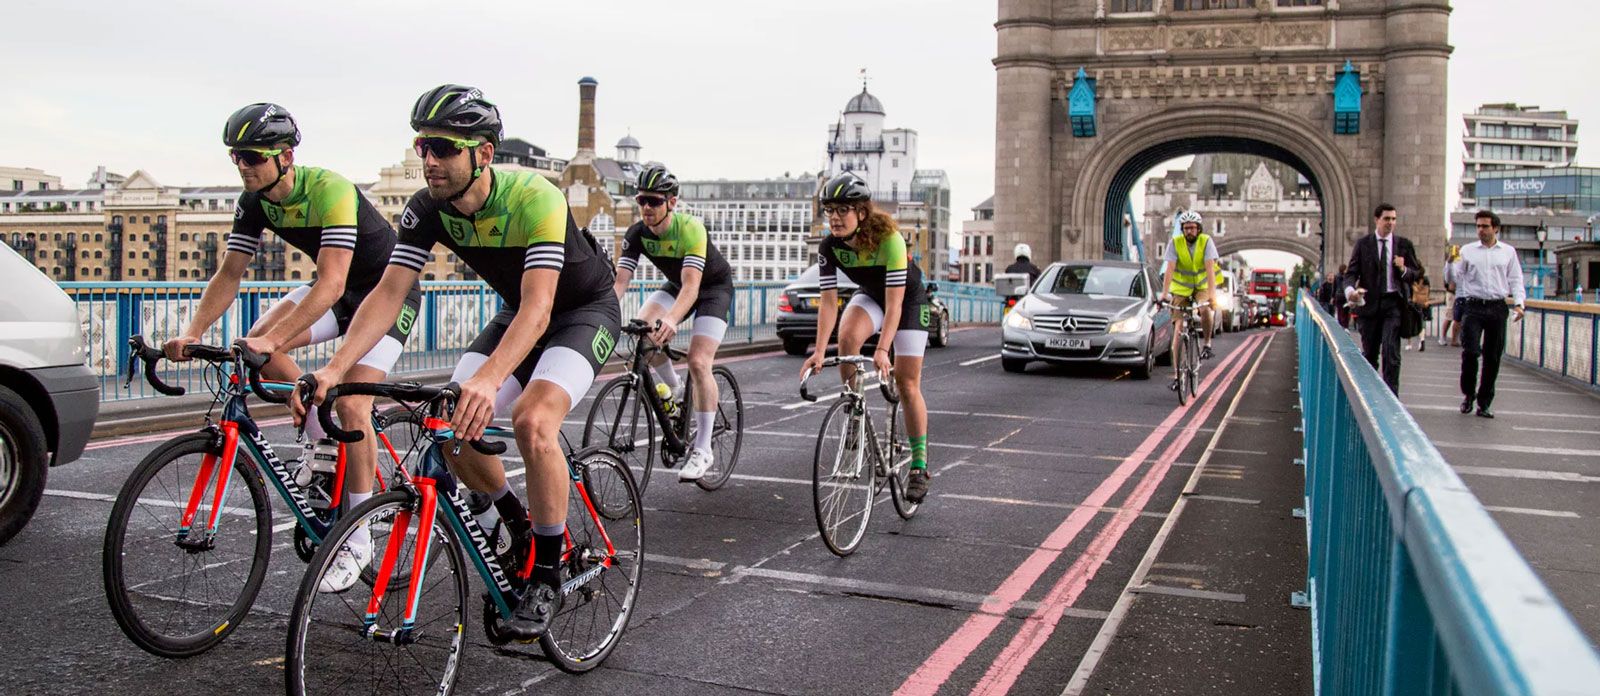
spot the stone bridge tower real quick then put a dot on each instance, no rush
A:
(1180, 77)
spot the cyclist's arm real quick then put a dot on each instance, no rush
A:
(333, 267)
(1211, 280)
(827, 316)
(624, 277)
(1172, 268)
(896, 269)
(529, 324)
(627, 261)
(374, 317)
(219, 294)
(893, 296)
(688, 294)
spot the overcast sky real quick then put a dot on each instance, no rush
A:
(713, 88)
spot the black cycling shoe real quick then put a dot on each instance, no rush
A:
(532, 618)
(917, 485)
(1176, 381)
(1205, 352)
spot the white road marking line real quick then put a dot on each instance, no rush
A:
(1521, 449)
(104, 498)
(827, 397)
(1038, 503)
(1531, 511)
(1186, 592)
(1539, 414)
(1526, 474)
(1552, 430)
(1238, 451)
(984, 359)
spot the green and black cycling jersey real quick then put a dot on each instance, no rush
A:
(523, 225)
(324, 210)
(873, 273)
(684, 244)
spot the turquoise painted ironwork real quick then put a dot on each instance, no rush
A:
(1412, 586)
(1080, 105)
(1347, 101)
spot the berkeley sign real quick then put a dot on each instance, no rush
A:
(1509, 186)
(1527, 186)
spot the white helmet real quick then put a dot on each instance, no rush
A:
(1188, 216)
(1023, 250)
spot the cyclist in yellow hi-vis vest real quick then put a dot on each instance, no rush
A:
(1191, 278)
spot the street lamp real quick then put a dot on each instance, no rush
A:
(1543, 233)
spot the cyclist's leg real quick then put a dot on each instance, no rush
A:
(1205, 318)
(709, 328)
(862, 318)
(280, 366)
(481, 472)
(1178, 327)
(655, 307)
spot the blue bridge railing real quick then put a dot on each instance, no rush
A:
(1413, 588)
(452, 313)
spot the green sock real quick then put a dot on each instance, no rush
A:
(919, 452)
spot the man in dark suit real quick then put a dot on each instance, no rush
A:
(1377, 285)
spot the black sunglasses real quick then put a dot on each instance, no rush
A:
(442, 147)
(252, 157)
(650, 201)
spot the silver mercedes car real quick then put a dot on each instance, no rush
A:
(1087, 312)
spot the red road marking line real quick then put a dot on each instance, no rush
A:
(1016, 656)
(950, 655)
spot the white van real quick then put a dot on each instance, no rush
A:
(48, 397)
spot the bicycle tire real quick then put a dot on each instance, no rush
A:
(564, 643)
(633, 409)
(1192, 372)
(724, 427)
(902, 471)
(124, 597)
(342, 613)
(826, 474)
(1180, 365)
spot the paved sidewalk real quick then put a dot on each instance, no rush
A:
(1535, 466)
(1210, 613)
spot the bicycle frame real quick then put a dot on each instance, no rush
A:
(434, 501)
(642, 380)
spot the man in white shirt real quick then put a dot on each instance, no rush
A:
(1484, 276)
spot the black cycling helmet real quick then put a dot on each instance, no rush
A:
(846, 188)
(261, 125)
(457, 108)
(656, 179)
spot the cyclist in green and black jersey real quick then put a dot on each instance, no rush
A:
(865, 245)
(699, 282)
(538, 356)
(323, 215)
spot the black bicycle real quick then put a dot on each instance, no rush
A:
(1186, 359)
(184, 556)
(427, 544)
(628, 409)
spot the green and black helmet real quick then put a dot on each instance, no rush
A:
(261, 125)
(846, 188)
(457, 108)
(656, 179)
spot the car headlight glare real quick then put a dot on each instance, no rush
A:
(1018, 320)
(1129, 325)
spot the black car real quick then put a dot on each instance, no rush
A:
(797, 312)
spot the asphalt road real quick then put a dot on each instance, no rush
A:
(1049, 489)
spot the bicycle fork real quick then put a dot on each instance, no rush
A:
(210, 464)
(428, 494)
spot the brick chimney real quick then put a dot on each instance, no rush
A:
(586, 87)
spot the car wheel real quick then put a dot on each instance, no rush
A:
(940, 337)
(24, 463)
(795, 346)
(1013, 364)
(1145, 369)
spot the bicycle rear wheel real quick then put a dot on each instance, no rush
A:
(727, 431)
(602, 567)
(1180, 363)
(900, 464)
(176, 594)
(619, 419)
(843, 482)
(332, 647)
(1191, 372)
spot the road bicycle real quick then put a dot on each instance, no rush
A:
(854, 460)
(1186, 357)
(184, 556)
(428, 543)
(628, 410)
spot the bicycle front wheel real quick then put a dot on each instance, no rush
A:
(727, 431)
(334, 647)
(618, 419)
(603, 564)
(842, 478)
(1180, 364)
(1191, 372)
(176, 592)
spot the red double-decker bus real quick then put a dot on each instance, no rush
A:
(1271, 282)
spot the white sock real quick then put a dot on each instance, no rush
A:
(703, 422)
(362, 536)
(667, 375)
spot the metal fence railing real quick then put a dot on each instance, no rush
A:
(1413, 588)
(1559, 337)
(452, 313)
(971, 304)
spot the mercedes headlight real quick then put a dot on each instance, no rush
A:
(1129, 325)
(1018, 320)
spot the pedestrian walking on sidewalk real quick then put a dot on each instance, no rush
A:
(1341, 311)
(1421, 298)
(1377, 286)
(1487, 273)
(1450, 333)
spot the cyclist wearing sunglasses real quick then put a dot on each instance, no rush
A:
(323, 215)
(699, 282)
(865, 244)
(534, 359)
